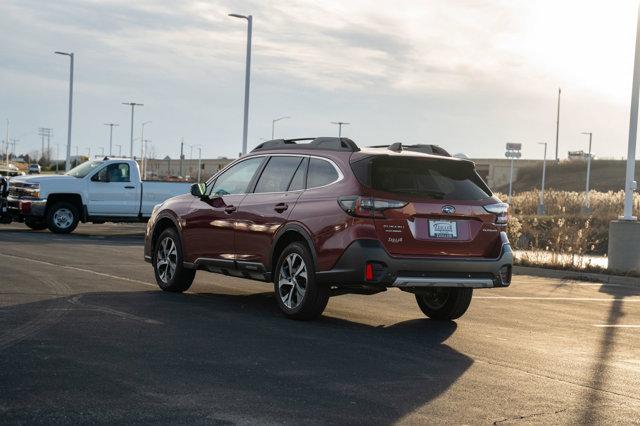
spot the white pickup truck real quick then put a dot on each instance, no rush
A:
(108, 190)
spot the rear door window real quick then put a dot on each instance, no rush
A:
(277, 174)
(422, 177)
(321, 173)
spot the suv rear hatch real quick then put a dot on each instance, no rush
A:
(429, 206)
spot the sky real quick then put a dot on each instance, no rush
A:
(468, 75)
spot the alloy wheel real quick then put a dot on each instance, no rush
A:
(166, 259)
(292, 281)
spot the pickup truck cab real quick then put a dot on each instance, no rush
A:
(108, 190)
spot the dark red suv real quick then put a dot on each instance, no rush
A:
(321, 217)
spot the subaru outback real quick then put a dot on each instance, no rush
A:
(321, 217)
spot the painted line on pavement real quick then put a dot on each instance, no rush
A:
(73, 268)
(577, 299)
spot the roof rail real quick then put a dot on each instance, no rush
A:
(325, 143)
(423, 148)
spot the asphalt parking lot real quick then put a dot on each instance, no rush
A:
(86, 336)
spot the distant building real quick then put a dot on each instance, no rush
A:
(578, 156)
(169, 168)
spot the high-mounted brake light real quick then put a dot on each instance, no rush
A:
(501, 210)
(368, 206)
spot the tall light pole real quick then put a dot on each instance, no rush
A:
(544, 175)
(71, 57)
(143, 161)
(558, 124)
(133, 105)
(142, 146)
(111, 125)
(247, 80)
(340, 124)
(6, 141)
(199, 163)
(586, 191)
(273, 125)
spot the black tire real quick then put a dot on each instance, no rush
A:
(62, 217)
(314, 296)
(169, 247)
(444, 303)
(36, 224)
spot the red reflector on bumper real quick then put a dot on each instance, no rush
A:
(368, 272)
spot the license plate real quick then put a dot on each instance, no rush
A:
(446, 229)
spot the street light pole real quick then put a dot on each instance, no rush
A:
(558, 125)
(199, 163)
(142, 146)
(273, 125)
(247, 79)
(133, 105)
(586, 191)
(110, 136)
(340, 124)
(544, 174)
(71, 57)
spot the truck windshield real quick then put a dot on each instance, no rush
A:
(83, 169)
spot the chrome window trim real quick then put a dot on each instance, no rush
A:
(335, 166)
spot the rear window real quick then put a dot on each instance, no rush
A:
(422, 177)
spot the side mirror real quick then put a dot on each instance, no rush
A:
(198, 190)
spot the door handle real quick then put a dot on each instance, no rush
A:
(280, 207)
(230, 209)
(129, 187)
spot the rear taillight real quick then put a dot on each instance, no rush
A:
(368, 206)
(501, 210)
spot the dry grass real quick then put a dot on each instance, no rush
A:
(563, 238)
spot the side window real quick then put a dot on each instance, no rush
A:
(237, 178)
(297, 183)
(321, 173)
(277, 175)
(118, 172)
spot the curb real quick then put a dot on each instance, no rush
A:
(573, 275)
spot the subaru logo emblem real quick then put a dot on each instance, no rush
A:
(448, 209)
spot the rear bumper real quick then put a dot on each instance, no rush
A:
(415, 273)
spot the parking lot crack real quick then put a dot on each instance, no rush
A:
(528, 416)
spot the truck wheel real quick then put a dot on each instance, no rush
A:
(62, 218)
(444, 303)
(171, 275)
(298, 294)
(35, 224)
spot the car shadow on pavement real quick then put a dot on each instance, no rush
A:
(596, 405)
(205, 358)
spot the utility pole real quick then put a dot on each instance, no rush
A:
(340, 124)
(111, 125)
(587, 208)
(45, 132)
(544, 174)
(181, 156)
(133, 105)
(13, 150)
(247, 79)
